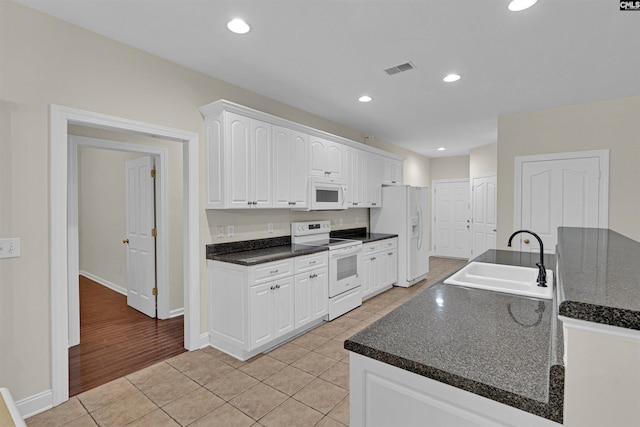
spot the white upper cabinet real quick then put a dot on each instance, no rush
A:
(290, 168)
(373, 180)
(325, 158)
(392, 173)
(354, 176)
(249, 162)
(255, 160)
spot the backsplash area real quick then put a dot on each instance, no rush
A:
(249, 224)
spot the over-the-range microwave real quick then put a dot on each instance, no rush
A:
(325, 194)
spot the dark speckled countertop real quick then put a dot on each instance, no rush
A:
(259, 251)
(500, 346)
(600, 276)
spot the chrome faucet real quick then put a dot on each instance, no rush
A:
(542, 272)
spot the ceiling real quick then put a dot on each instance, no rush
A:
(321, 55)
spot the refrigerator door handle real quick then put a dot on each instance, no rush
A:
(420, 225)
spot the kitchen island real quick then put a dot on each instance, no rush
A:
(472, 356)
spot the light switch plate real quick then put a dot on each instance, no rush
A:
(10, 248)
(230, 230)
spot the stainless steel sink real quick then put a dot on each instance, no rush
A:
(503, 278)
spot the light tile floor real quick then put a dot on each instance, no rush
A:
(304, 382)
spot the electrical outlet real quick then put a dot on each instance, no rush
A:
(220, 231)
(270, 227)
(230, 230)
(10, 248)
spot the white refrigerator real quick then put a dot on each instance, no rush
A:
(404, 212)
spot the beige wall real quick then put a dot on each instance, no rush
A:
(416, 168)
(46, 61)
(449, 168)
(483, 160)
(611, 124)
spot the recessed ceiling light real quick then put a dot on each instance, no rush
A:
(365, 98)
(518, 5)
(238, 26)
(441, 149)
(450, 78)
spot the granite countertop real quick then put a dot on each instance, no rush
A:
(600, 276)
(496, 345)
(259, 251)
(361, 234)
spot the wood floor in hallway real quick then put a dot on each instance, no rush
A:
(117, 340)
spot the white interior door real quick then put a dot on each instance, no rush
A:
(141, 245)
(451, 218)
(561, 192)
(484, 192)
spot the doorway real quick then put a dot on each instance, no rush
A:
(484, 198)
(64, 239)
(451, 219)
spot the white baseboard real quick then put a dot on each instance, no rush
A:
(119, 289)
(177, 312)
(204, 340)
(35, 404)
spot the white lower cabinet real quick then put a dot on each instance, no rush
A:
(383, 395)
(380, 266)
(252, 309)
(312, 296)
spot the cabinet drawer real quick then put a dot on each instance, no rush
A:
(389, 243)
(273, 270)
(370, 248)
(309, 262)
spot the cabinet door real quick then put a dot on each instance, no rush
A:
(376, 282)
(318, 152)
(302, 291)
(214, 152)
(349, 173)
(282, 167)
(334, 161)
(238, 161)
(391, 171)
(299, 170)
(388, 267)
(367, 268)
(261, 314)
(319, 293)
(374, 180)
(283, 303)
(261, 155)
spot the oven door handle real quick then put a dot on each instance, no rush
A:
(339, 253)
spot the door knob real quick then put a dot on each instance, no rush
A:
(126, 241)
(526, 241)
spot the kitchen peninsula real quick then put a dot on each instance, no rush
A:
(469, 357)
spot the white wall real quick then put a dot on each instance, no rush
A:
(612, 124)
(46, 61)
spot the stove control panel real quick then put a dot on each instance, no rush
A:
(310, 228)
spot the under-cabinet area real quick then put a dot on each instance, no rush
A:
(256, 160)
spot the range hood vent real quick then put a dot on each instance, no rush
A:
(400, 68)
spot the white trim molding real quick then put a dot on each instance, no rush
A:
(30, 406)
(60, 118)
(104, 282)
(600, 328)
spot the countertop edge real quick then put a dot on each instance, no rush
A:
(605, 315)
(552, 410)
(278, 257)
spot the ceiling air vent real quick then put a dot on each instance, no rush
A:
(400, 68)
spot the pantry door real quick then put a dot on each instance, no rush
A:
(483, 213)
(451, 220)
(141, 235)
(565, 189)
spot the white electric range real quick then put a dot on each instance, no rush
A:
(345, 264)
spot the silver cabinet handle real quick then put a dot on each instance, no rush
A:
(313, 262)
(273, 287)
(249, 203)
(372, 258)
(274, 271)
(390, 253)
(373, 204)
(277, 286)
(255, 203)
